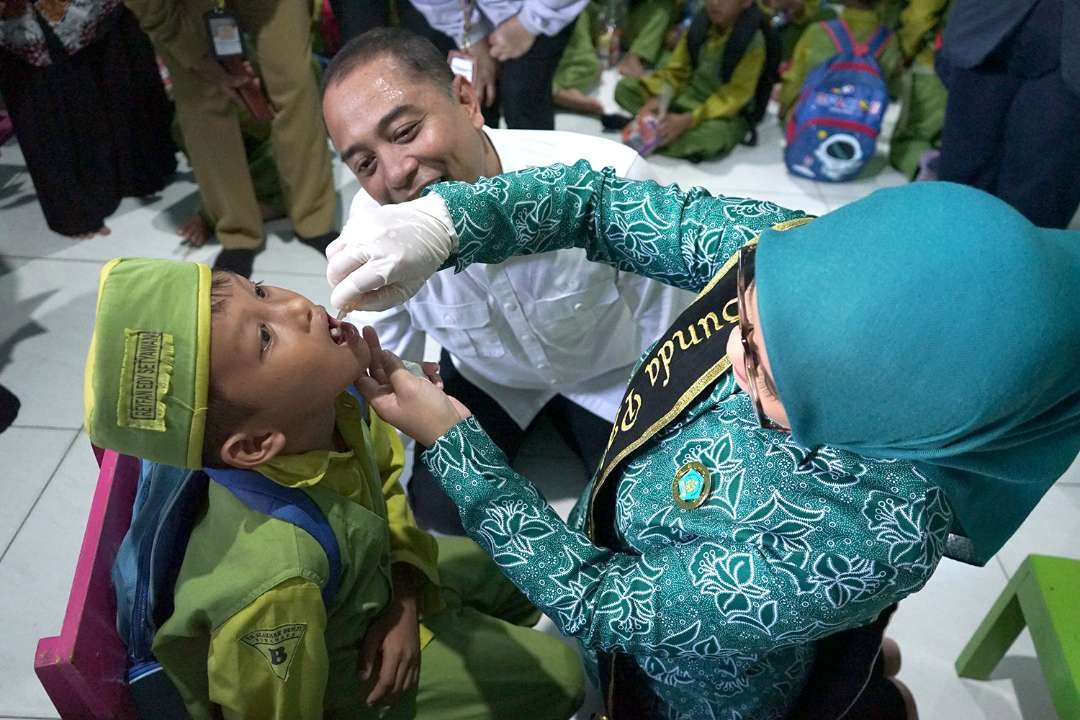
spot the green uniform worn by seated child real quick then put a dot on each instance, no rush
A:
(250, 634)
(923, 96)
(647, 22)
(815, 47)
(698, 89)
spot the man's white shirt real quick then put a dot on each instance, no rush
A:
(533, 327)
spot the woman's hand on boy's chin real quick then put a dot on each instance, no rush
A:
(416, 406)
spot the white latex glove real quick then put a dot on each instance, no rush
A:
(384, 256)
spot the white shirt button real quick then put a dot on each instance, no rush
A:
(578, 307)
(541, 366)
(448, 318)
(510, 307)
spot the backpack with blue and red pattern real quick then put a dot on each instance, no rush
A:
(832, 130)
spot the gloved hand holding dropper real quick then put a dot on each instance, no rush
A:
(384, 257)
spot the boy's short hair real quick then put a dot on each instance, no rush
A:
(223, 416)
(147, 380)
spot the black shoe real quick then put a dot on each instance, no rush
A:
(238, 260)
(319, 242)
(9, 408)
(614, 121)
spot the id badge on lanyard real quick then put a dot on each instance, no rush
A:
(223, 31)
(228, 48)
(460, 63)
(463, 66)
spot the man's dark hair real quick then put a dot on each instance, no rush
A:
(411, 51)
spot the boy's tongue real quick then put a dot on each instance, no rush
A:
(343, 333)
(349, 335)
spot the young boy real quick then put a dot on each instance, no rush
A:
(816, 46)
(196, 369)
(704, 119)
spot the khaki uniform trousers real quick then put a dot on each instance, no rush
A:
(280, 30)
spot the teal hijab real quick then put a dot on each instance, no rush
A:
(932, 323)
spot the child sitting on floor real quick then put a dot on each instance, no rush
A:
(193, 368)
(705, 118)
(642, 32)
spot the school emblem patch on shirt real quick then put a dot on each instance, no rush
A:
(278, 645)
(691, 485)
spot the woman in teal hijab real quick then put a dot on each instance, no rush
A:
(793, 455)
(932, 323)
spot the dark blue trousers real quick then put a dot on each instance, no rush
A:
(1012, 128)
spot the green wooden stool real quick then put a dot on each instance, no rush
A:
(1044, 594)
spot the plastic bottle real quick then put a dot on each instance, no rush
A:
(609, 44)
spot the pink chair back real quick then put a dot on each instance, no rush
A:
(83, 668)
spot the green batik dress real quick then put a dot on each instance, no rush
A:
(719, 605)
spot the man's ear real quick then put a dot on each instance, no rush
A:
(246, 450)
(465, 95)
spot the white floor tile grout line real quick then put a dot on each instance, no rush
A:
(44, 487)
(1001, 566)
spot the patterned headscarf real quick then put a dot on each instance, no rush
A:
(933, 323)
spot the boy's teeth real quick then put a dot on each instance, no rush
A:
(335, 333)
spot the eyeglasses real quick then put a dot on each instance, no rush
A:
(751, 362)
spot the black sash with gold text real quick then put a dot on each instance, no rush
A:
(686, 361)
(684, 364)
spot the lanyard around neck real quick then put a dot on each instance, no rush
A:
(467, 7)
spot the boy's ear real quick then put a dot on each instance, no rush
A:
(247, 450)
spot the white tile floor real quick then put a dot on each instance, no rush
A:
(47, 290)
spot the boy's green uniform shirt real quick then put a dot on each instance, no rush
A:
(250, 632)
(815, 47)
(250, 636)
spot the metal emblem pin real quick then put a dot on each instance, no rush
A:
(691, 486)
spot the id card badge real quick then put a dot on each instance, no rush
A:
(226, 40)
(463, 66)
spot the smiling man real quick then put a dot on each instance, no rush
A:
(551, 333)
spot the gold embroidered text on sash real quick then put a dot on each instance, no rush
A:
(692, 355)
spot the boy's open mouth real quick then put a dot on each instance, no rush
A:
(342, 333)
